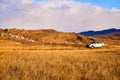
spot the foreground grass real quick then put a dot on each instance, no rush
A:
(95, 64)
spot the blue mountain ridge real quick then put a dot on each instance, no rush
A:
(102, 32)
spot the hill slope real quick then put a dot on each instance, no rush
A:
(44, 36)
(113, 36)
(17, 37)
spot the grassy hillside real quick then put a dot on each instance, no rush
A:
(113, 36)
(52, 37)
(47, 36)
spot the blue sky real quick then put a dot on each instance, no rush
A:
(102, 3)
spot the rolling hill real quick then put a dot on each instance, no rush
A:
(21, 37)
(113, 36)
(43, 36)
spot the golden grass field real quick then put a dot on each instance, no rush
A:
(78, 64)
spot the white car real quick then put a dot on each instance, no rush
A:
(95, 44)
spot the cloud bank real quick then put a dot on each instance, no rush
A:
(62, 15)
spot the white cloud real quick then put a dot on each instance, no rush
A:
(26, 2)
(63, 15)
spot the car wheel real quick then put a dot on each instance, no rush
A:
(102, 46)
(92, 46)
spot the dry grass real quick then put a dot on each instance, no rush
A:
(95, 64)
(20, 61)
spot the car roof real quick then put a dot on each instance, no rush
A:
(97, 42)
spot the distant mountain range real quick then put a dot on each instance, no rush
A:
(102, 32)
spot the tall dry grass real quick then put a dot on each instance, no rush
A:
(95, 64)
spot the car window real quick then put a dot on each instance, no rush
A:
(96, 42)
